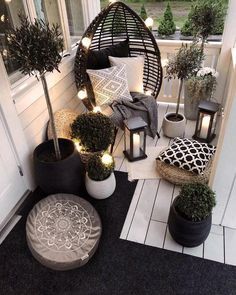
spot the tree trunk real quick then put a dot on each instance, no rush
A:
(51, 117)
(178, 99)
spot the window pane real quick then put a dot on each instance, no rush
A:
(75, 19)
(48, 11)
(9, 11)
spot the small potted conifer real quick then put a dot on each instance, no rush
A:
(100, 179)
(190, 214)
(37, 49)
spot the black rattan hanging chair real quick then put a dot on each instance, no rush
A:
(114, 24)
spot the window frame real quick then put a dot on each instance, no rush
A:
(26, 84)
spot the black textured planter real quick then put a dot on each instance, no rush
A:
(185, 232)
(64, 176)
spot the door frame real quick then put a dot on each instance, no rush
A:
(14, 128)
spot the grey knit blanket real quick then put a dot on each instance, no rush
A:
(142, 105)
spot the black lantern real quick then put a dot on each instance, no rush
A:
(135, 139)
(206, 121)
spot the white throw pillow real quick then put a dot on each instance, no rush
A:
(110, 84)
(134, 67)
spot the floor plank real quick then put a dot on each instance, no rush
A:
(214, 247)
(163, 201)
(156, 234)
(195, 251)
(132, 209)
(230, 246)
(143, 212)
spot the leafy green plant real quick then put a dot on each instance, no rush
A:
(200, 86)
(94, 131)
(167, 26)
(206, 16)
(36, 48)
(143, 12)
(184, 64)
(98, 169)
(195, 201)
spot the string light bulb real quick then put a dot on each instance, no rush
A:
(107, 159)
(86, 42)
(77, 145)
(97, 109)
(149, 22)
(82, 94)
(148, 92)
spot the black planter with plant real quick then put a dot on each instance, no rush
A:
(37, 49)
(190, 215)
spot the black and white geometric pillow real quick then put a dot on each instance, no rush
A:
(188, 154)
(110, 84)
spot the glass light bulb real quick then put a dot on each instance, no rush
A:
(97, 109)
(86, 42)
(82, 94)
(107, 159)
(149, 22)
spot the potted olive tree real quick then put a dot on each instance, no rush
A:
(190, 214)
(94, 132)
(100, 179)
(37, 49)
(185, 63)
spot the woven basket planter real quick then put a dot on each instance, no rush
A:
(180, 176)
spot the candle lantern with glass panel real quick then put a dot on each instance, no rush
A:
(206, 121)
(135, 139)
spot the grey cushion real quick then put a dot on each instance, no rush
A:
(63, 231)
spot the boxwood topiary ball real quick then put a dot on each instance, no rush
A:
(94, 131)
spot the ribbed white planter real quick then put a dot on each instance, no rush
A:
(173, 128)
(100, 189)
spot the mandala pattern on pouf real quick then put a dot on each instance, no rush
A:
(188, 154)
(63, 226)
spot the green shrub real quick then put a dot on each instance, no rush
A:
(195, 201)
(97, 170)
(206, 16)
(187, 29)
(94, 131)
(143, 13)
(167, 26)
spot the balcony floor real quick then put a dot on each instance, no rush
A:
(146, 221)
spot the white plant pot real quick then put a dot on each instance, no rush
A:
(173, 128)
(100, 189)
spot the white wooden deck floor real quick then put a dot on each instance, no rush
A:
(146, 221)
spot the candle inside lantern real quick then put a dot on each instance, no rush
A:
(136, 145)
(205, 126)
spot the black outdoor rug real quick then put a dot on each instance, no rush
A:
(118, 266)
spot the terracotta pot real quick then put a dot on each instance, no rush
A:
(172, 127)
(100, 189)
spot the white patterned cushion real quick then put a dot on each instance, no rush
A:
(188, 154)
(134, 67)
(109, 84)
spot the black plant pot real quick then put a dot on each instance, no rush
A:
(185, 232)
(64, 176)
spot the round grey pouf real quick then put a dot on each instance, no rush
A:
(63, 231)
